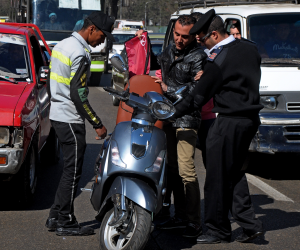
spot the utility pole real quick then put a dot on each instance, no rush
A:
(146, 14)
(121, 2)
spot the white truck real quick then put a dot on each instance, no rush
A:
(275, 27)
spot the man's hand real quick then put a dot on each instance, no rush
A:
(101, 132)
(198, 75)
(139, 34)
(164, 87)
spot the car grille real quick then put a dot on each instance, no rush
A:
(138, 150)
(293, 106)
(292, 133)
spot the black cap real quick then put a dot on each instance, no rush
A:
(103, 22)
(203, 23)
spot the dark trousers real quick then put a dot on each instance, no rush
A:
(226, 188)
(71, 137)
(202, 135)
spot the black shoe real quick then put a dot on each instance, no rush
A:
(51, 224)
(76, 230)
(192, 230)
(173, 223)
(209, 239)
(245, 237)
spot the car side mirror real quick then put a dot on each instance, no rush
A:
(179, 94)
(118, 62)
(43, 74)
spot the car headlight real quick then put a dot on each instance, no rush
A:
(114, 51)
(115, 155)
(269, 102)
(163, 110)
(157, 164)
(18, 137)
(4, 135)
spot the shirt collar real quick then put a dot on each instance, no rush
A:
(223, 42)
(82, 41)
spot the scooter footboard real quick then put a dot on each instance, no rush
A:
(134, 189)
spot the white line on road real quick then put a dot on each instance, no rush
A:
(272, 192)
(101, 89)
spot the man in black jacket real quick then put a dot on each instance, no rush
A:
(231, 75)
(179, 63)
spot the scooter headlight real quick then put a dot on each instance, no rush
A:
(269, 102)
(163, 110)
(115, 155)
(157, 163)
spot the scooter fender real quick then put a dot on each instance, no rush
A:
(134, 189)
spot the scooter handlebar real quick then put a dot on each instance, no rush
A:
(124, 95)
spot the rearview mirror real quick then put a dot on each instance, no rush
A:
(43, 74)
(118, 62)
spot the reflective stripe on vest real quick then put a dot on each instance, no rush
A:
(60, 79)
(64, 59)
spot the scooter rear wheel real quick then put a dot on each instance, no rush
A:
(136, 237)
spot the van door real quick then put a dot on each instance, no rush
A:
(169, 33)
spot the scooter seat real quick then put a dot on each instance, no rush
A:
(139, 84)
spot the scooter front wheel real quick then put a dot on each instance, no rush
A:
(133, 234)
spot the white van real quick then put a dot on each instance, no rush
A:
(276, 30)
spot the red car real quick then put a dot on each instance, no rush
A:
(25, 127)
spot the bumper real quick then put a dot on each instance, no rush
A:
(277, 133)
(14, 159)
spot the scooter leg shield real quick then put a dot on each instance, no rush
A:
(134, 189)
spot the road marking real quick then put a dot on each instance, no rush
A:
(272, 192)
(101, 89)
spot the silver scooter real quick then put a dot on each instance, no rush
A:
(130, 177)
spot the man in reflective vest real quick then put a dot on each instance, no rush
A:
(67, 86)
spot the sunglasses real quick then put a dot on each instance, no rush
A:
(206, 36)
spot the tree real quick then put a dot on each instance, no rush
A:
(4, 9)
(157, 10)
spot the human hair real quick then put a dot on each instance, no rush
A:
(237, 26)
(87, 23)
(196, 15)
(217, 25)
(186, 20)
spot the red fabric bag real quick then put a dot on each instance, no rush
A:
(138, 55)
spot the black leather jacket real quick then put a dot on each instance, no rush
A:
(180, 72)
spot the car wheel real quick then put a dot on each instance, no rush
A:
(115, 100)
(26, 178)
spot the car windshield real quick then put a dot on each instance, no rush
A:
(62, 15)
(122, 38)
(277, 37)
(157, 48)
(13, 57)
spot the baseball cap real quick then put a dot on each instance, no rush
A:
(203, 23)
(103, 22)
(52, 14)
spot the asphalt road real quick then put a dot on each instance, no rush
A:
(274, 183)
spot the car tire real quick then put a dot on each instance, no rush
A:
(26, 178)
(50, 153)
(115, 100)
